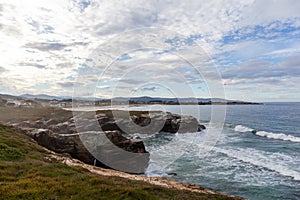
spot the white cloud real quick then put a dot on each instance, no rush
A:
(49, 41)
(287, 51)
(103, 86)
(267, 11)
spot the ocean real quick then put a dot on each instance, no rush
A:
(256, 156)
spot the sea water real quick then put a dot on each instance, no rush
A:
(257, 155)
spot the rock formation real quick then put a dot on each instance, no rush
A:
(155, 121)
(77, 147)
(82, 136)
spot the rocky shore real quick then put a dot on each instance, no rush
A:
(76, 134)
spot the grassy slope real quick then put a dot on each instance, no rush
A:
(26, 174)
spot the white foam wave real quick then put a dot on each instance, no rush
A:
(271, 161)
(278, 136)
(243, 129)
(270, 135)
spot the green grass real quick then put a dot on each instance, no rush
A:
(26, 174)
(8, 153)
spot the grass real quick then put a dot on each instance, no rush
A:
(26, 174)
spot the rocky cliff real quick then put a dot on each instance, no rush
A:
(83, 135)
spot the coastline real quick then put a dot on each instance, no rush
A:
(35, 159)
(20, 114)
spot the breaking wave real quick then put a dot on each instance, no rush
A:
(270, 135)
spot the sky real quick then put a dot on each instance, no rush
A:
(246, 50)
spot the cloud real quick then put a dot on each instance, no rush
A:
(66, 84)
(264, 73)
(153, 89)
(6, 87)
(54, 41)
(32, 64)
(103, 87)
(286, 51)
(40, 28)
(2, 69)
(10, 30)
(55, 46)
(292, 64)
(64, 64)
(262, 12)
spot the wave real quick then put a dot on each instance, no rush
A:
(271, 161)
(270, 135)
(278, 136)
(242, 129)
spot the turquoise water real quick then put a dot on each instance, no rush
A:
(257, 156)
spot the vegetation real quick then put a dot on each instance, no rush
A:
(27, 173)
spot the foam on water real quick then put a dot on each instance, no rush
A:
(242, 129)
(270, 135)
(272, 161)
(278, 136)
(277, 162)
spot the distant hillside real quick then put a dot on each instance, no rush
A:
(8, 96)
(40, 96)
(50, 97)
(137, 99)
(148, 99)
(142, 99)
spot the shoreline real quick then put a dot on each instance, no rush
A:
(32, 114)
